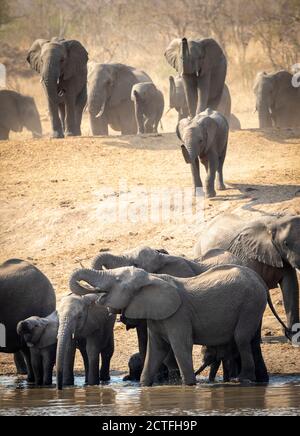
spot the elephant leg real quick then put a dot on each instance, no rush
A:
(92, 349)
(99, 126)
(80, 105)
(203, 88)
(183, 351)
(4, 133)
(20, 363)
(139, 116)
(82, 348)
(62, 115)
(226, 364)
(171, 363)
(214, 368)
(243, 344)
(157, 350)
(70, 116)
(106, 356)
(211, 175)
(57, 130)
(142, 335)
(48, 364)
(195, 167)
(261, 372)
(150, 125)
(220, 180)
(37, 366)
(27, 357)
(190, 89)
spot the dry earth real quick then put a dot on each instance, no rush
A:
(58, 198)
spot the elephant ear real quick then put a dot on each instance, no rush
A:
(211, 128)
(156, 301)
(34, 54)
(77, 58)
(122, 81)
(181, 126)
(256, 243)
(173, 54)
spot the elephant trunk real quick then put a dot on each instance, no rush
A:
(96, 101)
(64, 339)
(264, 115)
(185, 57)
(109, 261)
(172, 96)
(101, 281)
(50, 78)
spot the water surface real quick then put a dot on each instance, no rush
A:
(280, 397)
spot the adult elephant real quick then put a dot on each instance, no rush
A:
(203, 66)
(109, 97)
(24, 291)
(62, 65)
(177, 100)
(81, 320)
(277, 100)
(225, 303)
(16, 112)
(270, 246)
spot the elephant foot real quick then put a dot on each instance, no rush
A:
(221, 187)
(68, 133)
(104, 378)
(57, 135)
(211, 194)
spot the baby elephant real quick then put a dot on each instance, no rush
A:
(136, 364)
(205, 137)
(149, 106)
(40, 335)
(214, 356)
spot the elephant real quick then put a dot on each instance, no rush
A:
(148, 105)
(213, 356)
(62, 65)
(40, 336)
(205, 137)
(109, 97)
(223, 304)
(268, 245)
(24, 291)
(178, 101)
(277, 100)
(82, 320)
(16, 112)
(203, 66)
(136, 364)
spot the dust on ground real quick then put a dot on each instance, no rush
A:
(55, 195)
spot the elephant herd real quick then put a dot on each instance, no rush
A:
(217, 301)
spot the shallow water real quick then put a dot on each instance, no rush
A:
(280, 397)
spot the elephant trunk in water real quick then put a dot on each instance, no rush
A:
(101, 281)
(64, 339)
(109, 261)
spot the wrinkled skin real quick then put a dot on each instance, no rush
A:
(40, 336)
(270, 246)
(203, 67)
(277, 100)
(24, 291)
(205, 137)
(148, 105)
(62, 65)
(109, 97)
(222, 304)
(16, 112)
(81, 319)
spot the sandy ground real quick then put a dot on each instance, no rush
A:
(62, 201)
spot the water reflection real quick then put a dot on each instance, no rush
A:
(118, 398)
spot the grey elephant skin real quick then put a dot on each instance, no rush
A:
(277, 100)
(270, 246)
(62, 65)
(40, 336)
(161, 262)
(81, 319)
(109, 97)
(205, 137)
(148, 105)
(222, 304)
(203, 67)
(177, 100)
(24, 291)
(16, 112)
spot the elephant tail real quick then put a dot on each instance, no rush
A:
(288, 333)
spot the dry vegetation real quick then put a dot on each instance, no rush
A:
(51, 192)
